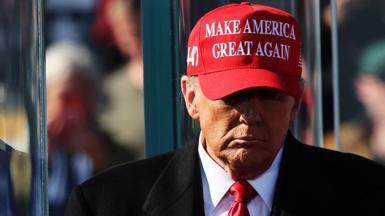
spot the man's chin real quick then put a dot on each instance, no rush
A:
(243, 175)
(247, 172)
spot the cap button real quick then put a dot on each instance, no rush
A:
(245, 3)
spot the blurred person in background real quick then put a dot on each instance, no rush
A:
(78, 149)
(7, 205)
(360, 23)
(15, 175)
(370, 91)
(124, 116)
(353, 18)
(365, 134)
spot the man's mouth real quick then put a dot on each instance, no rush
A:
(245, 142)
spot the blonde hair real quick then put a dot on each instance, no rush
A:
(64, 59)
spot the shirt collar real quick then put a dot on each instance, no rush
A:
(264, 184)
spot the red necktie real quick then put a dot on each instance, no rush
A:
(242, 192)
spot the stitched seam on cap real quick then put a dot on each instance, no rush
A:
(236, 68)
(200, 49)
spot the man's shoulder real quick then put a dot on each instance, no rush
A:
(128, 180)
(131, 171)
(342, 166)
(340, 159)
(326, 180)
(119, 190)
(126, 188)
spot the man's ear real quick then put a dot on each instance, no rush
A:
(295, 109)
(190, 96)
(297, 102)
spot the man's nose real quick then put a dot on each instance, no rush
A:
(250, 112)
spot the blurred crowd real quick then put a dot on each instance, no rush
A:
(94, 79)
(94, 74)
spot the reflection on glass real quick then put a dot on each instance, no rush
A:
(22, 136)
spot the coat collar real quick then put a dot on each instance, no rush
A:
(290, 178)
(178, 190)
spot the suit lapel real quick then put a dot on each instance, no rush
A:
(178, 190)
(289, 179)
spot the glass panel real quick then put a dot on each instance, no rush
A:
(23, 149)
(311, 114)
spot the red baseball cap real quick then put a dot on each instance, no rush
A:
(240, 46)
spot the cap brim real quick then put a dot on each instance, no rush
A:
(220, 84)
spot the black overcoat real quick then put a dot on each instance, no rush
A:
(311, 181)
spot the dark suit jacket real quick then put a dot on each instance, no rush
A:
(311, 181)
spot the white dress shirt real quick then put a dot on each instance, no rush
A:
(216, 183)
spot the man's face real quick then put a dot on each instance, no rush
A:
(244, 131)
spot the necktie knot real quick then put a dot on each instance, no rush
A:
(242, 191)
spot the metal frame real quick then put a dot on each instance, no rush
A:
(159, 78)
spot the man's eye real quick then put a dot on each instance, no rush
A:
(271, 94)
(257, 93)
(233, 99)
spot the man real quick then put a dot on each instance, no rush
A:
(124, 116)
(243, 85)
(77, 147)
(7, 205)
